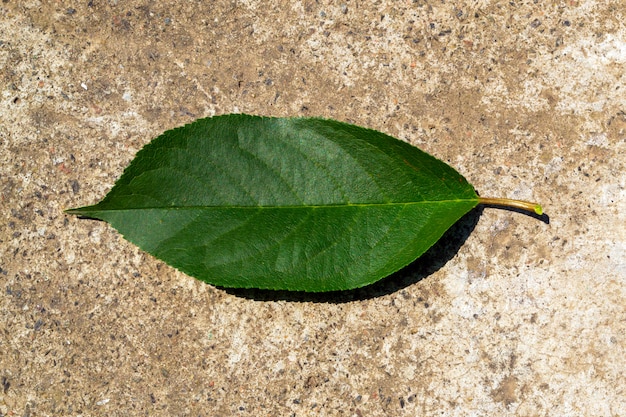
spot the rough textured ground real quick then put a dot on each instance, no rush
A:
(524, 318)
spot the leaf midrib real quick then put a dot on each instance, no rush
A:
(304, 206)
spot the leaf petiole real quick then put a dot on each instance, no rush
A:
(517, 204)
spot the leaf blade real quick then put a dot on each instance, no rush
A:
(306, 199)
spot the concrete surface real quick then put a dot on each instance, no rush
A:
(525, 98)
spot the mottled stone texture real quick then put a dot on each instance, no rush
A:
(525, 98)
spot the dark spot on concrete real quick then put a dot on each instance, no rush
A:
(75, 186)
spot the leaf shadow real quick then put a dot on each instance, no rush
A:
(427, 264)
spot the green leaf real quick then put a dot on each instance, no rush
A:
(300, 204)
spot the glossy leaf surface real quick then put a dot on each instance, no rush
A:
(284, 203)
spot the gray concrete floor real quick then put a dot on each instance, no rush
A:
(526, 99)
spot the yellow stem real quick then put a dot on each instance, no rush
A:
(518, 204)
